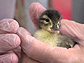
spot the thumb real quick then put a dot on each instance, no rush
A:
(43, 52)
(35, 11)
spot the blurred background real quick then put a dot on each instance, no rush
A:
(69, 9)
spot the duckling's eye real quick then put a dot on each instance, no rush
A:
(47, 20)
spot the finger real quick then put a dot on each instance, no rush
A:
(8, 26)
(8, 58)
(17, 51)
(8, 42)
(73, 29)
(35, 11)
(45, 53)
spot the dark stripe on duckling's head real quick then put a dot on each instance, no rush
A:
(54, 15)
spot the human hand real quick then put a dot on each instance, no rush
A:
(9, 41)
(44, 53)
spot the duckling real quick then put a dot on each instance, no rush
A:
(48, 32)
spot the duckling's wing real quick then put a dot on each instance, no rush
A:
(65, 41)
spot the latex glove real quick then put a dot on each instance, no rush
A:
(44, 53)
(8, 41)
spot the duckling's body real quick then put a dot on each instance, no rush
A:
(53, 38)
(48, 21)
(47, 37)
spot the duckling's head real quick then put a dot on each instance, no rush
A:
(50, 20)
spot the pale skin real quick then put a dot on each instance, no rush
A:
(39, 52)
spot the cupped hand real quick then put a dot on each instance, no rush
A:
(35, 51)
(9, 41)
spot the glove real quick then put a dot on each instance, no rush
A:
(9, 41)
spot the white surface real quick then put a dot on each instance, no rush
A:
(7, 8)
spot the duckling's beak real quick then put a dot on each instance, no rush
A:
(55, 29)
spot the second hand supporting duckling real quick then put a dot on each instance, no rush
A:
(48, 32)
